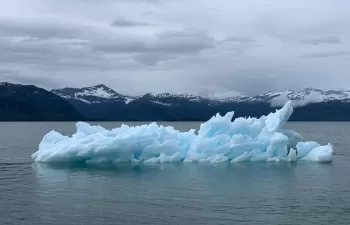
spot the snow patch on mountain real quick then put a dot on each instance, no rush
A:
(97, 92)
(162, 103)
(189, 97)
(128, 100)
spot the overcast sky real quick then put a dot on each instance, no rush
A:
(207, 47)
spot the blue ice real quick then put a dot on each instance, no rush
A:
(218, 140)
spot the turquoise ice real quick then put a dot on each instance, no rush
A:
(218, 140)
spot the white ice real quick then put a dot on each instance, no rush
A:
(218, 140)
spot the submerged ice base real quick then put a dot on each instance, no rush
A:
(218, 140)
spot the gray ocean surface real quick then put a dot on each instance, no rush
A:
(251, 193)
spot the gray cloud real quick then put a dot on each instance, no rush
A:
(40, 29)
(161, 47)
(177, 46)
(128, 23)
(314, 97)
(174, 46)
(322, 40)
(239, 39)
(327, 54)
(153, 59)
(19, 78)
(7, 72)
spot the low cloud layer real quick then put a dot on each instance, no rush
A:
(313, 97)
(214, 48)
(322, 40)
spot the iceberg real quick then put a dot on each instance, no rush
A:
(218, 140)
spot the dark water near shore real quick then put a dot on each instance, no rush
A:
(254, 193)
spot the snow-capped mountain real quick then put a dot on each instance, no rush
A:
(168, 99)
(102, 94)
(302, 95)
(189, 97)
(96, 94)
(308, 94)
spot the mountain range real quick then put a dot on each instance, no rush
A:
(101, 93)
(101, 103)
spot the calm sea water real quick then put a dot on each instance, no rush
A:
(255, 193)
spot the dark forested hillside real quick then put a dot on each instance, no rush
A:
(30, 103)
(144, 110)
